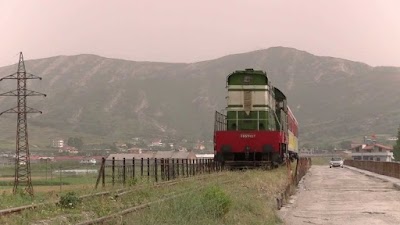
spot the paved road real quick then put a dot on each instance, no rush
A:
(342, 196)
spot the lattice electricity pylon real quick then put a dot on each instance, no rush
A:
(22, 156)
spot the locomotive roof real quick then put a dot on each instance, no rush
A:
(248, 71)
(279, 96)
(290, 113)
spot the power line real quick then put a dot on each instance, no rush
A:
(22, 156)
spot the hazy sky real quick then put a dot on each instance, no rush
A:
(195, 30)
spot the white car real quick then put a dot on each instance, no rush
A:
(336, 162)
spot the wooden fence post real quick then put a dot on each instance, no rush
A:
(124, 171)
(133, 168)
(187, 168)
(148, 168)
(113, 171)
(168, 169)
(101, 173)
(162, 167)
(177, 167)
(155, 169)
(173, 168)
(193, 168)
(183, 167)
(141, 167)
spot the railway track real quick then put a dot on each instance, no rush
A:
(19, 209)
(117, 193)
(102, 220)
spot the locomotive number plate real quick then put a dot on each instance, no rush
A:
(247, 135)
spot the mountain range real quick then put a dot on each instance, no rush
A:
(104, 99)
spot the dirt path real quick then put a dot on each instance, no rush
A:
(342, 196)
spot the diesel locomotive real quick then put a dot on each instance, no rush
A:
(258, 129)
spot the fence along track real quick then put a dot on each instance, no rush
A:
(120, 171)
(302, 166)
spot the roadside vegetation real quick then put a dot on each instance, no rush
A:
(238, 197)
(250, 199)
(321, 160)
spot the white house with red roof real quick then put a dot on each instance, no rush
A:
(58, 143)
(372, 152)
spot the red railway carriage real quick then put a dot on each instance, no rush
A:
(293, 132)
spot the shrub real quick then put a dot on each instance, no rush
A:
(69, 200)
(215, 201)
(132, 182)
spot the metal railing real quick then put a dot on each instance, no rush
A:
(220, 122)
(391, 169)
(302, 167)
(130, 171)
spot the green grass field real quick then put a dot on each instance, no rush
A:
(321, 160)
(248, 199)
(48, 183)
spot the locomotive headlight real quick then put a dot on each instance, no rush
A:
(247, 150)
(226, 149)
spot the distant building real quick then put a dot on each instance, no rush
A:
(199, 146)
(58, 143)
(76, 158)
(372, 152)
(156, 143)
(120, 145)
(88, 161)
(135, 150)
(205, 156)
(45, 158)
(174, 155)
(182, 149)
(392, 138)
(69, 149)
(306, 151)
